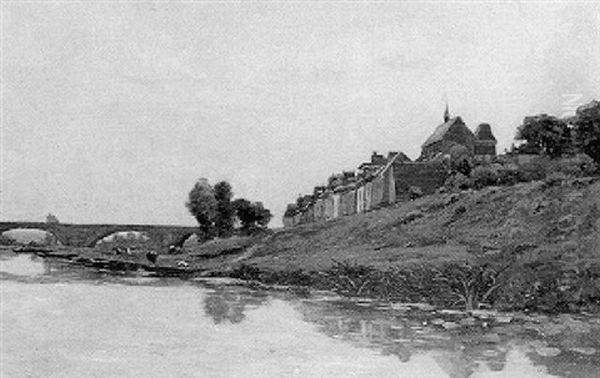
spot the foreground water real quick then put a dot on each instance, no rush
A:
(63, 321)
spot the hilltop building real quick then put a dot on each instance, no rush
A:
(454, 138)
(452, 133)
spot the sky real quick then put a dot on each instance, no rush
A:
(111, 111)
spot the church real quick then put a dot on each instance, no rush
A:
(453, 138)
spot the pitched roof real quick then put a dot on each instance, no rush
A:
(484, 132)
(442, 129)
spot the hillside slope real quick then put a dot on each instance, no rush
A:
(560, 217)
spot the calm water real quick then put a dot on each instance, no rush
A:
(61, 321)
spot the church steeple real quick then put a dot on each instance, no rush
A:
(446, 113)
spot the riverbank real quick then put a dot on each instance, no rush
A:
(531, 246)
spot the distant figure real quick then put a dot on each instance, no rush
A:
(152, 256)
(128, 251)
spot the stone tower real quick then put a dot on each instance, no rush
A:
(485, 142)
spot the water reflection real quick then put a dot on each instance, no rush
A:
(227, 304)
(232, 330)
(22, 265)
(458, 354)
(478, 350)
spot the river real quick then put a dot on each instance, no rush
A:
(58, 320)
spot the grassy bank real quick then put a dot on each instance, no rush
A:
(529, 246)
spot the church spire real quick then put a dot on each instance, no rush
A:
(446, 113)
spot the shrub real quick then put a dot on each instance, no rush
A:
(458, 181)
(555, 179)
(246, 272)
(473, 284)
(410, 217)
(576, 166)
(484, 176)
(415, 192)
(349, 278)
(507, 175)
(535, 170)
(5, 240)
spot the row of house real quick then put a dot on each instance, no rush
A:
(385, 180)
(370, 187)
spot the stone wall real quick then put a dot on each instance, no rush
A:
(485, 147)
(427, 176)
(368, 196)
(377, 196)
(348, 203)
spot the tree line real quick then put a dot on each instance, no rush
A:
(217, 213)
(558, 136)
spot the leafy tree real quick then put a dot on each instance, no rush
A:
(263, 216)
(544, 133)
(251, 215)
(586, 135)
(244, 212)
(202, 204)
(225, 211)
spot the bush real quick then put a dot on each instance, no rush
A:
(410, 217)
(246, 272)
(552, 286)
(458, 181)
(5, 240)
(415, 192)
(555, 179)
(484, 176)
(535, 170)
(507, 175)
(576, 166)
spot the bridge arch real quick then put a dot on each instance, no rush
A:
(122, 235)
(28, 235)
(129, 236)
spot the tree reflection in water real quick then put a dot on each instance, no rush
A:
(228, 304)
(459, 353)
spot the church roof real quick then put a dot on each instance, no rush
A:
(442, 129)
(484, 132)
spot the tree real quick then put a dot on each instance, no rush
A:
(586, 135)
(50, 218)
(244, 212)
(251, 215)
(202, 204)
(263, 216)
(544, 133)
(225, 212)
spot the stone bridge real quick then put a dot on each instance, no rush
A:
(87, 235)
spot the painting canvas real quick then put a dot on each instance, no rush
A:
(299, 189)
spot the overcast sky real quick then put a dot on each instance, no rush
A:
(111, 111)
